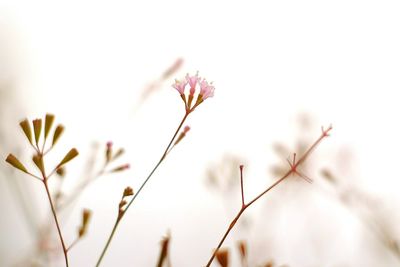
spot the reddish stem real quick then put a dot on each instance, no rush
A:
(292, 170)
(53, 210)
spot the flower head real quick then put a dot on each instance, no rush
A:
(193, 81)
(180, 86)
(206, 89)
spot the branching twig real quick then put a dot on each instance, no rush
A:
(293, 170)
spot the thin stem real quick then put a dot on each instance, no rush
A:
(140, 189)
(292, 170)
(159, 162)
(34, 176)
(226, 234)
(108, 242)
(241, 184)
(271, 187)
(56, 220)
(43, 146)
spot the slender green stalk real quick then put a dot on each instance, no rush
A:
(140, 189)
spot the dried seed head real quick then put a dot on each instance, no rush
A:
(57, 133)
(223, 257)
(70, 155)
(37, 128)
(11, 159)
(269, 264)
(48, 122)
(118, 153)
(327, 174)
(121, 168)
(86, 215)
(242, 246)
(127, 192)
(61, 172)
(27, 129)
(109, 151)
(164, 250)
(38, 160)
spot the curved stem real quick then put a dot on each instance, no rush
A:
(140, 189)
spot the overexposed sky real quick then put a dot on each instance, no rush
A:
(88, 61)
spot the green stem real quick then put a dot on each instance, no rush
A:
(140, 189)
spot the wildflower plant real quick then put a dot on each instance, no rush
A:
(204, 90)
(193, 91)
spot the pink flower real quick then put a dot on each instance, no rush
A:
(206, 89)
(180, 86)
(192, 80)
(186, 129)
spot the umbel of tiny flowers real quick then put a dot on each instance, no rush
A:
(194, 82)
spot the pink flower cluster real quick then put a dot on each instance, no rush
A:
(206, 90)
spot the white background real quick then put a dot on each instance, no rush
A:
(88, 62)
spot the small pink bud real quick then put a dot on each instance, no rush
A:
(182, 135)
